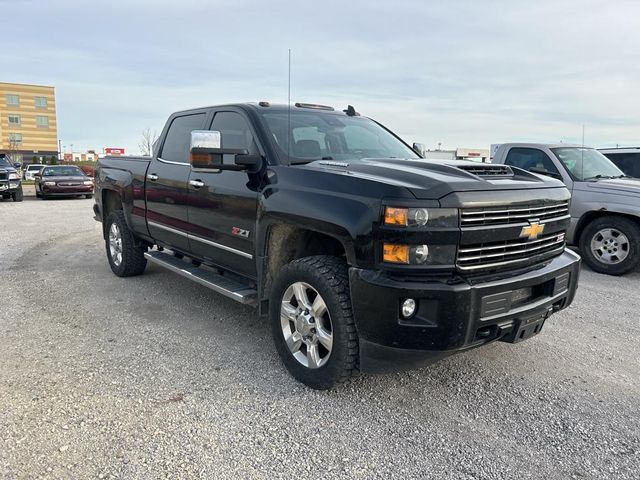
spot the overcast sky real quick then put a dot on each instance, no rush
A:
(465, 73)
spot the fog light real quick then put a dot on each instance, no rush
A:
(408, 307)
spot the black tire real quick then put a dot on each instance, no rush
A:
(18, 195)
(629, 228)
(329, 277)
(90, 195)
(133, 261)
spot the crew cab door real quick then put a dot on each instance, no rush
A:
(223, 206)
(166, 187)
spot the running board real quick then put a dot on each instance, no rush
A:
(229, 287)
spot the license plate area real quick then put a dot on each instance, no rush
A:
(526, 327)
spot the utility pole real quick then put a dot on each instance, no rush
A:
(59, 150)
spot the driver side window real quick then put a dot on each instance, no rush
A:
(528, 158)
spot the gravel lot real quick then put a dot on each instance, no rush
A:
(156, 377)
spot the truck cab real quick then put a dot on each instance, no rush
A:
(361, 255)
(605, 204)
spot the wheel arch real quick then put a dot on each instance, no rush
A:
(590, 216)
(283, 242)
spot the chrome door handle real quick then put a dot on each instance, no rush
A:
(196, 183)
(152, 176)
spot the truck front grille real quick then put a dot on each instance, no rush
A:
(509, 253)
(3, 176)
(471, 217)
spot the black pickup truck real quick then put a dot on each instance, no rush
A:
(362, 255)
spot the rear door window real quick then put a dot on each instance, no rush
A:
(178, 139)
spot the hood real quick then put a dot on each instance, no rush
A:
(616, 186)
(434, 179)
(8, 170)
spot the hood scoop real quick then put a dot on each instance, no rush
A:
(488, 170)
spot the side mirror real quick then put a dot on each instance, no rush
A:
(206, 153)
(17, 166)
(544, 171)
(420, 149)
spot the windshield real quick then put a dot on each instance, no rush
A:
(34, 167)
(327, 136)
(587, 163)
(4, 162)
(61, 171)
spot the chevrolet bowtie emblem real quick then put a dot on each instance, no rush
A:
(532, 231)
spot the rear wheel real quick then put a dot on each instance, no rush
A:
(611, 245)
(126, 258)
(312, 321)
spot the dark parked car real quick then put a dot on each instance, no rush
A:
(10, 182)
(362, 255)
(62, 181)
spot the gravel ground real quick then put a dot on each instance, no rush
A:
(156, 377)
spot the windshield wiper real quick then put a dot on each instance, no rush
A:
(599, 177)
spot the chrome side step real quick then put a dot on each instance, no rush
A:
(229, 287)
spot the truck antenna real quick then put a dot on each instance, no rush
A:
(289, 112)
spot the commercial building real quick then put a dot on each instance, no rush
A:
(475, 154)
(28, 127)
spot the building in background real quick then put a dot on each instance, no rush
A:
(88, 156)
(113, 151)
(474, 154)
(28, 127)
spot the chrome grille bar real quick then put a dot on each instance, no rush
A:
(494, 216)
(509, 252)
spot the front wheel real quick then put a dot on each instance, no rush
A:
(611, 245)
(126, 258)
(312, 321)
(18, 195)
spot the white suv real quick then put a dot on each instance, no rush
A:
(31, 170)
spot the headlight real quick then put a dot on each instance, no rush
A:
(421, 217)
(88, 182)
(418, 254)
(14, 176)
(50, 184)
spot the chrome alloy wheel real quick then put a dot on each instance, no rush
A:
(115, 244)
(610, 246)
(306, 325)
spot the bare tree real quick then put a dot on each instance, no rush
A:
(14, 148)
(147, 141)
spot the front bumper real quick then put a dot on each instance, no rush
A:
(452, 316)
(9, 186)
(52, 191)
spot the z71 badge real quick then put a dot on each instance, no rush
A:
(240, 232)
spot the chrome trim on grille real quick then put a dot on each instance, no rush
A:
(497, 216)
(486, 255)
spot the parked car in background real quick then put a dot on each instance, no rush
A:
(31, 170)
(62, 181)
(605, 203)
(10, 181)
(88, 170)
(626, 159)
